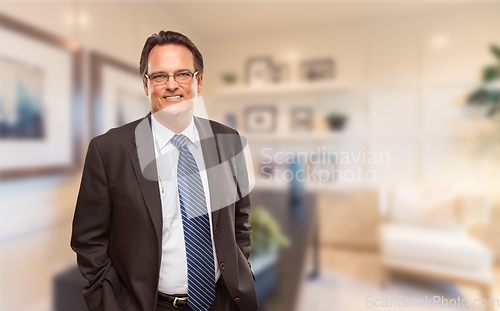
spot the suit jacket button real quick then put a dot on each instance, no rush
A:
(238, 299)
(222, 266)
(215, 231)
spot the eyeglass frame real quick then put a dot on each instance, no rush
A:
(172, 74)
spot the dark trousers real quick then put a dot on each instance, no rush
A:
(222, 301)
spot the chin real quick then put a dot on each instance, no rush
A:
(177, 108)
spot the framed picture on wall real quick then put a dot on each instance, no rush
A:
(317, 69)
(260, 119)
(117, 94)
(40, 101)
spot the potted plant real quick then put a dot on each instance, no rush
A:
(336, 121)
(229, 77)
(266, 235)
(488, 94)
(487, 97)
(267, 239)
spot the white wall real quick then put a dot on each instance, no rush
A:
(413, 72)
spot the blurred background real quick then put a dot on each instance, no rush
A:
(373, 128)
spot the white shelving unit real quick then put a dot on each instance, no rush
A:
(285, 97)
(283, 89)
(279, 96)
(299, 137)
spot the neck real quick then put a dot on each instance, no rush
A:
(176, 123)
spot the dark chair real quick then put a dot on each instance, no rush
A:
(68, 286)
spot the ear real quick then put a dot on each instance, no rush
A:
(145, 86)
(200, 83)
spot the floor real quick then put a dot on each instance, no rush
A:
(349, 280)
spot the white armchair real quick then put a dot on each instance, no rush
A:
(425, 234)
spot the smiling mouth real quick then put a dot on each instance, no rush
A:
(172, 97)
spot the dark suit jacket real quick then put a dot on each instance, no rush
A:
(117, 226)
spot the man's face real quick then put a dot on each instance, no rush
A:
(173, 97)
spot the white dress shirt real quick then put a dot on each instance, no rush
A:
(173, 268)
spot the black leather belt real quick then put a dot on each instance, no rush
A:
(179, 301)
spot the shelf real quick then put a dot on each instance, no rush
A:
(309, 186)
(307, 137)
(330, 86)
(283, 89)
(301, 138)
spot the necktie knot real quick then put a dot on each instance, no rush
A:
(179, 141)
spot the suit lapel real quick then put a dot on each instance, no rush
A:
(211, 158)
(144, 164)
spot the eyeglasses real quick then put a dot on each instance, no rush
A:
(179, 77)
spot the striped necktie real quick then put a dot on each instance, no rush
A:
(196, 224)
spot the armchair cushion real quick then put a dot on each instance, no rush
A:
(436, 208)
(439, 247)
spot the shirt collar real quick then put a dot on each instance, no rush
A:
(163, 134)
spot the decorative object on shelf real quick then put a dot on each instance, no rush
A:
(266, 170)
(281, 73)
(324, 162)
(488, 95)
(266, 235)
(317, 69)
(230, 120)
(260, 119)
(40, 101)
(336, 121)
(272, 169)
(117, 93)
(229, 77)
(260, 71)
(302, 119)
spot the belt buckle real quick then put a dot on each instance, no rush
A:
(178, 298)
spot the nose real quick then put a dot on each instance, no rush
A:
(171, 84)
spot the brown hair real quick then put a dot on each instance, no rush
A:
(169, 37)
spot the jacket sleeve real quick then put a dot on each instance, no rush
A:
(242, 225)
(91, 227)
(242, 206)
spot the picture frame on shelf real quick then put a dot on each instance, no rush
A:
(281, 73)
(327, 161)
(301, 119)
(317, 70)
(259, 71)
(231, 120)
(117, 93)
(40, 101)
(260, 119)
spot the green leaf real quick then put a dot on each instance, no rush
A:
(493, 96)
(479, 97)
(493, 110)
(491, 73)
(495, 50)
(266, 233)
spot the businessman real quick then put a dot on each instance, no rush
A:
(161, 221)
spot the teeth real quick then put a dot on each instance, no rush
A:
(176, 96)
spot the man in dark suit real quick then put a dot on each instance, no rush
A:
(161, 221)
